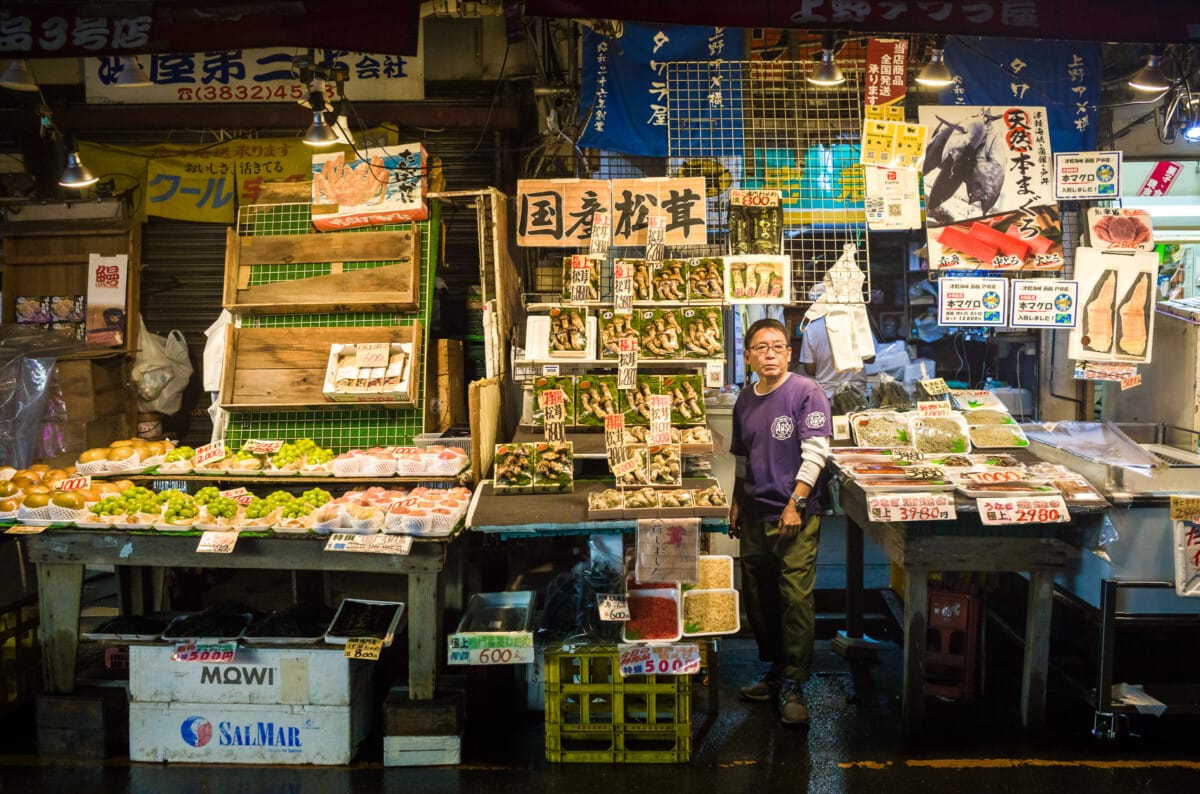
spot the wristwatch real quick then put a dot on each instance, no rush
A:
(800, 502)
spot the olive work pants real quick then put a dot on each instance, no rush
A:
(778, 576)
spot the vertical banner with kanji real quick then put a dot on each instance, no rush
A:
(887, 61)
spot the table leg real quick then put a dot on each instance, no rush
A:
(60, 588)
(424, 628)
(916, 611)
(1037, 649)
(850, 643)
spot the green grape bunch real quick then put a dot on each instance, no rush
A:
(180, 509)
(207, 494)
(180, 453)
(259, 508)
(111, 505)
(316, 496)
(296, 509)
(222, 507)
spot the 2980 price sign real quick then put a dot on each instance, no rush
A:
(1023, 510)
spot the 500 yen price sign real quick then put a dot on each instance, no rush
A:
(207, 652)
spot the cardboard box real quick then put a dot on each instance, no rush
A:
(317, 676)
(248, 734)
(377, 384)
(445, 393)
(92, 389)
(422, 750)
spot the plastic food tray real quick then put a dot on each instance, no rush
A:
(922, 430)
(700, 594)
(859, 421)
(1019, 439)
(722, 561)
(170, 632)
(671, 594)
(387, 636)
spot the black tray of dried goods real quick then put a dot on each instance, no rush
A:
(358, 617)
(218, 622)
(129, 628)
(296, 624)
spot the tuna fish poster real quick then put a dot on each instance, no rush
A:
(989, 189)
(1116, 320)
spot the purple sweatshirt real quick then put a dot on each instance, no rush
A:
(768, 431)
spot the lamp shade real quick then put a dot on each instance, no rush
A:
(132, 75)
(18, 76)
(827, 73)
(935, 74)
(319, 132)
(76, 174)
(1150, 77)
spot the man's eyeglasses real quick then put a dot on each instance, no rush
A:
(762, 349)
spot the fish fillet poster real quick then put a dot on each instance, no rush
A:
(1116, 318)
(989, 189)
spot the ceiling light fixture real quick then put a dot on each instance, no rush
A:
(1150, 78)
(1190, 126)
(341, 125)
(18, 76)
(132, 75)
(319, 133)
(76, 174)
(827, 73)
(936, 74)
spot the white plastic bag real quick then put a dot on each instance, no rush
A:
(161, 371)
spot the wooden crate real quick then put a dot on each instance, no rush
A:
(445, 392)
(283, 369)
(393, 287)
(92, 388)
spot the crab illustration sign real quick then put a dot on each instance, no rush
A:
(989, 193)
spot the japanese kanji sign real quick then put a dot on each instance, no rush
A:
(886, 78)
(560, 213)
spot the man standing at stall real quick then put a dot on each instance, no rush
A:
(781, 431)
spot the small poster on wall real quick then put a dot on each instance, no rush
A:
(1117, 318)
(385, 185)
(1120, 229)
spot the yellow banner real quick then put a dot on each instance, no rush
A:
(203, 182)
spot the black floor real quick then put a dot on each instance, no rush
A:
(855, 744)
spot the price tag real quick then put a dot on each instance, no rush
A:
(911, 507)
(923, 473)
(674, 659)
(656, 237)
(935, 386)
(841, 427)
(261, 447)
(368, 355)
(366, 648)
(714, 374)
(216, 542)
(995, 510)
(614, 432)
(1184, 507)
(1126, 383)
(660, 420)
(75, 483)
(601, 239)
(621, 461)
(910, 455)
(514, 647)
(233, 493)
(623, 287)
(372, 544)
(205, 652)
(554, 415)
(614, 607)
(208, 453)
(932, 408)
(627, 350)
(24, 529)
(550, 370)
(581, 278)
(994, 476)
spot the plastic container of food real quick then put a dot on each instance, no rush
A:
(939, 434)
(711, 612)
(880, 429)
(998, 436)
(654, 616)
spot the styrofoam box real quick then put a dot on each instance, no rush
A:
(421, 750)
(247, 734)
(293, 676)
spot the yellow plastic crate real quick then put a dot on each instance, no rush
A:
(630, 744)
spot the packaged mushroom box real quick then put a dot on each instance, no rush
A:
(554, 467)
(641, 279)
(369, 373)
(704, 278)
(514, 469)
(668, 281)
(547, 383)
(661, 334)
(635, 402)
(613, 328)
(703, 335)
(596, 396)
(687, 398)
(568, 332)
(592, 294)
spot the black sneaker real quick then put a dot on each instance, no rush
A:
(764, 689)
(792, 710)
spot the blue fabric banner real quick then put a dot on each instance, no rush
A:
(623, 101)
(1062, 76)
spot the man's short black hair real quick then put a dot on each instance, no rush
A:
(764, 324)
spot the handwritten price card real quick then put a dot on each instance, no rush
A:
(614, 607)
(935, 386)
(623, 287)
(614, 432)
(1185, 507)
(660, 420)
(668, 550)
(674, 659)
(512, 647)
(369, 355)
(555, 413)
(365, 648)
(208, 453)
(205, 652)
(213, 542)
(601, 239)
(934, 408)
(581, 278)
(656, 238)
(75, 483)
(372, 544)
(263, 447)
(1022, 510)
(627, 350)
(911, 507)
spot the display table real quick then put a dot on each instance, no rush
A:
(1041, 550)
(61, 554)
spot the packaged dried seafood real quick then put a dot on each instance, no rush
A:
(707, 612)
(635, 402)
(596, 396)
(661, 334)
(703, 332)
(554, 467)
(547, 383)
(704, 278)
(988, 416)
(998, 436)
(939, 434)
(513, 468)
(665, 467)
(613, 328)
(593, 286)
(568, 332)
(668, 281)
(879, 429)
(687, 398)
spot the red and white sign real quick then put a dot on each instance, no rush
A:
(887, 61)
(911, 507)
(676, 659)
(995, 510)
(75, 483)
(209, 453)
(932, 408)
(206, 652)
(259, 447)
(1162, 176)
(994, 476)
